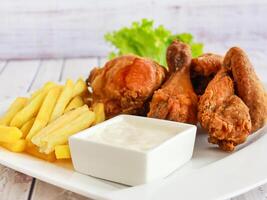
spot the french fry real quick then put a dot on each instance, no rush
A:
(27, 127)
(60, 136)
(29, 111)
(9, 134)
(80, 88)
(60, 122)
(63, 100)
(62, 151)
(15, 107)
(33, 150)
(45, 111)
(76, 102)
(18, 146)
(47, 86)
(99, 111)
(29, 144)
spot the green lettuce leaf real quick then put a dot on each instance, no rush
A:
(144, 40)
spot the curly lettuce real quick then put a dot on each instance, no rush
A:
(142, 39)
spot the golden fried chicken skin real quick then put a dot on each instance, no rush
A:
(203, 69)
(249, 87)
(176, 99)
(223, 114)
(125, 83)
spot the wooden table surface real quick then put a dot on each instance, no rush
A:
(19, 77)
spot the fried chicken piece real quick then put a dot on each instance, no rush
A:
(249, 87)
(125, 83)
(176, 100)
(203, 69)
(223, 114)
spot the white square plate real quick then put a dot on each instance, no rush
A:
(211, 174)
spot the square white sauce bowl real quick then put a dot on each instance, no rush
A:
(132, 150)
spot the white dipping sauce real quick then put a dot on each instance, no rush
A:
(128, 135)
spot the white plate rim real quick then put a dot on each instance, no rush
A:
(256, 175)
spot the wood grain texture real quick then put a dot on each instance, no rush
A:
(76, 68)
(66, 28)
(260, 193)
(45, 191)
(2, 65)
(49, 70)
(13, 185)
(221, 27)
(17, 78)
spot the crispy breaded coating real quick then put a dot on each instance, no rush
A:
(223, 114)
(125, 84)
(176, 99)
(249, 87)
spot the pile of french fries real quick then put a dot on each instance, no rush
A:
(41, 124)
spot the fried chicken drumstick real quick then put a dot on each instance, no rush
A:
(249, 87)
(223, 114)
(176, 100)
(125, 83)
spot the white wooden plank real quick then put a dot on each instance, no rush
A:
(14, 185)
(255, 194)
(75, 68)
(45, 191)
(49, 70)
(2, 65)
(220, 33)
(262, 190)
(67, 28)
(259, 193)
(17, 77)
